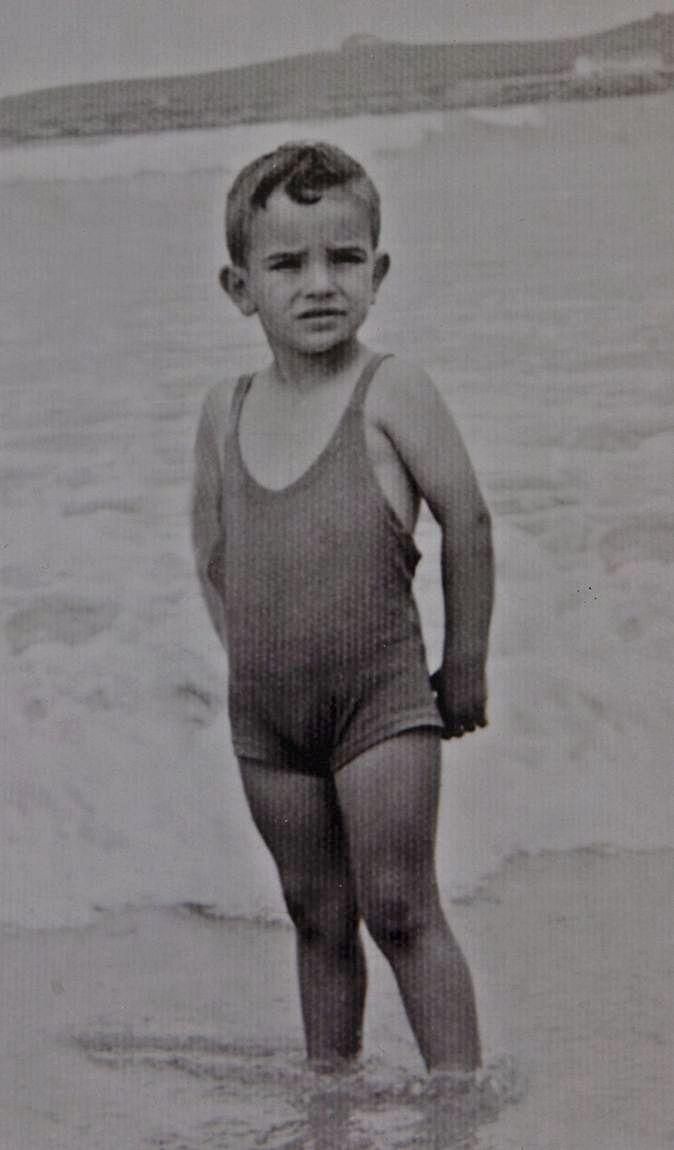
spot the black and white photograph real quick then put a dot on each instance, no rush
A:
(336, 574)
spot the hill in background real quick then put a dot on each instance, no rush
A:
(365, 76)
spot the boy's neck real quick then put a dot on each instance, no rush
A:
(301, 372)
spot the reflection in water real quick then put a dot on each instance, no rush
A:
(355, 1112)
(271, 1099)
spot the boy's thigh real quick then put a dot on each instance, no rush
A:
(298, 817)
(389, 797)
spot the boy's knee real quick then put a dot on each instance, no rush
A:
(394, 914)
(319, 914)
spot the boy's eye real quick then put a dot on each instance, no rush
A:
(284, 263)
(348, 256)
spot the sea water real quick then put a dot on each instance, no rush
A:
(531, 275)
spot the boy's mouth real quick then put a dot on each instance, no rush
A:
(320, 313)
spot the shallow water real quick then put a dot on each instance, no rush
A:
(532, 275)
(180, 1029)
(271, 1099)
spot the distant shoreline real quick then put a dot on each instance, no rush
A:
(483, 94)
(365, 77)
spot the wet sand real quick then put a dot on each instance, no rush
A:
(169, 1028)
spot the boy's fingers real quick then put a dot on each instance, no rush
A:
(461, 723)
(456, 726)
(480, 717)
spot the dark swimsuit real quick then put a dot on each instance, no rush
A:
(325, 648)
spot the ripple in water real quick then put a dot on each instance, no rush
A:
(273, 1100)
(58, 619)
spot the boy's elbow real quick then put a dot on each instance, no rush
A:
(483, 533)
(482, 517)
(469, 530)
(471, 516)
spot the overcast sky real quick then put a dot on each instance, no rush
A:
(45, 42)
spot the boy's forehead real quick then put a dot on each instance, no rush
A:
(340, 216)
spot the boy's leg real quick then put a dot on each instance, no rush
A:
(389, 802)
(299, 820)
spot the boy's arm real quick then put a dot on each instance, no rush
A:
(418, 423)
(206, 504)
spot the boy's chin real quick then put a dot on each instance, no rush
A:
(323, 343)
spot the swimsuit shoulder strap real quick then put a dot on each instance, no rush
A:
(365, 379)
(240, 392)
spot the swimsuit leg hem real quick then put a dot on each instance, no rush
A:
(251, 751)
(277, 760)
(410, 722)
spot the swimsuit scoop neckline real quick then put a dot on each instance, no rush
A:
(353, 404)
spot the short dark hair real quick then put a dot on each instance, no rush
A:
(304, 171)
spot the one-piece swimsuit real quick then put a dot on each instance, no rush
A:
(326, 655)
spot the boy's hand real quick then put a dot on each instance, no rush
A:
(461, 696)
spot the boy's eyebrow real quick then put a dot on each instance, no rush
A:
(282, 253)
(294, 253)
(346, 246)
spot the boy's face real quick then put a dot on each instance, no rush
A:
(312, 271)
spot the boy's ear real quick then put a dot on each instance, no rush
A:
(382, 263)
(234, 282)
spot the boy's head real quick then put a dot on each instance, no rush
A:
(302, 228)
(305, 171)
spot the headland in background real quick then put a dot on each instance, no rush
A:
(365, 76)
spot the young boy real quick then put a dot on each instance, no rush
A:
(308, 481)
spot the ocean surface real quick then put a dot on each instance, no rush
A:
(532, 275)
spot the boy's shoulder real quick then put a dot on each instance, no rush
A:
(399, 388)
(218, 398)
(216, 408)
(402, 373)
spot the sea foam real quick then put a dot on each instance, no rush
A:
(531, 280)
(215, 149)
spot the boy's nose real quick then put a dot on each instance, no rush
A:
(319, 278)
